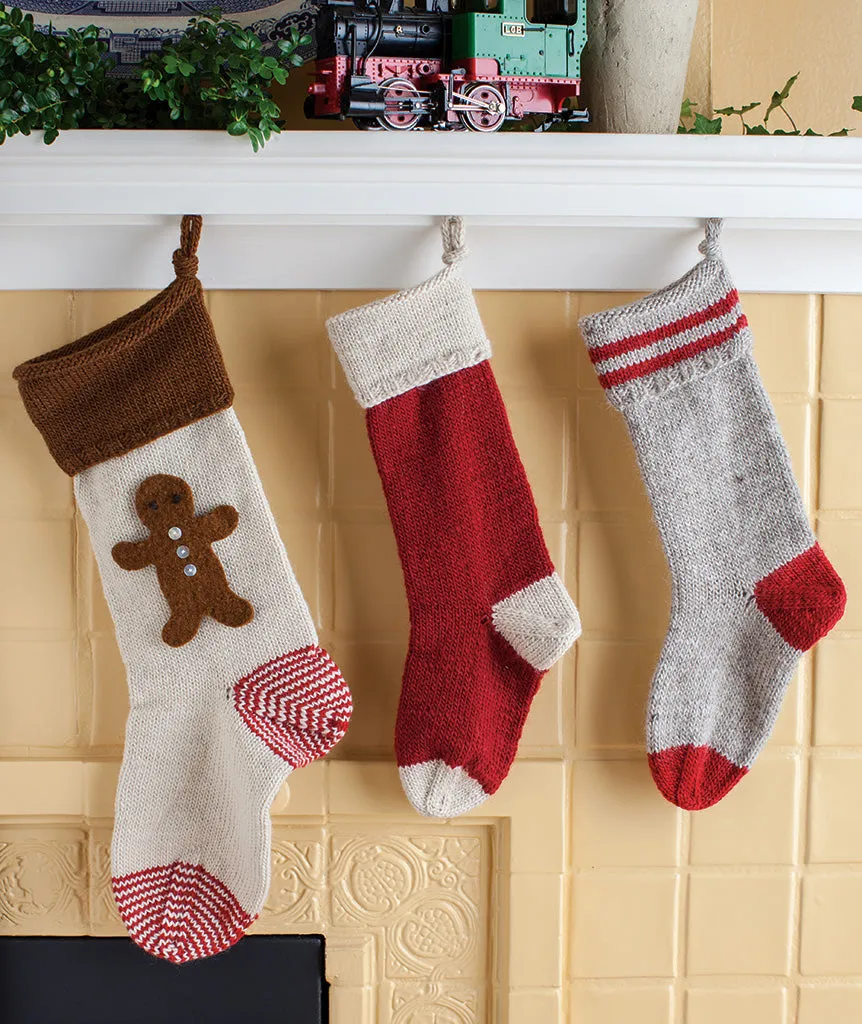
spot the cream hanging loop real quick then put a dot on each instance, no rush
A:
(454, 240)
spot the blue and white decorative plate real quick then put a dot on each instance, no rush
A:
(134, 28)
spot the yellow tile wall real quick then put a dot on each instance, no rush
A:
(751, 911)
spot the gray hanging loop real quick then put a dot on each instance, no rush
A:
(454, 240)
(710, 246)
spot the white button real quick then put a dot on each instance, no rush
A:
(175, 533)
(190, 569)
(182, 551)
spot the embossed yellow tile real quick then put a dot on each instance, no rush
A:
(834, 832)
(613, 680)
(783, 326)
(33, 323)
(742, 1006)
(840, 462)
(623, 925)
(44, 872)
(842, 542)
(297, 895)
(755, 823)
(607, 471)
(606, 1004)
(841, 367)
(39, 575)
(831, 924)
(530, 339)
(37, 693)
(739, 924)
(273, 341)
(830, 1005)
(619, 817)
(837, 694)
(104, 917)
(623, 581)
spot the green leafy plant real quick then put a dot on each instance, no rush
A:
(47, 82)
(694, 123)
(215, 76)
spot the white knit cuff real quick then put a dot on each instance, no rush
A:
(410, 338)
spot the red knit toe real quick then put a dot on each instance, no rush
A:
(694, 777)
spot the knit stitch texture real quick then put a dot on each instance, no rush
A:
(751, 588)
(136, 379)
(488, 614)
(220, 715)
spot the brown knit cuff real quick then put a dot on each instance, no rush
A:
(152, 371)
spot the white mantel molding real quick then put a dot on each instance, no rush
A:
(357, 210)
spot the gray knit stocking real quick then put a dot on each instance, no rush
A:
(751, 587)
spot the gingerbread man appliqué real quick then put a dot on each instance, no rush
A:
(179, 546)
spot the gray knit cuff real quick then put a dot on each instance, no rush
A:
(643, 349)
(410, 338)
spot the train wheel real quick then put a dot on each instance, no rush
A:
(368, 124)
(490, 108)
(400, 96)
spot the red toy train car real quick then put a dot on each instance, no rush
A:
(445, 65)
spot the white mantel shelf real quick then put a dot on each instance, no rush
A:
(357, 210)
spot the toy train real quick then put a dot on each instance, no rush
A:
(447, 64)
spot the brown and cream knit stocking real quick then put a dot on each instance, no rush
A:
(229, 690)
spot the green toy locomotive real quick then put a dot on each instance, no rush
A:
(447, 65)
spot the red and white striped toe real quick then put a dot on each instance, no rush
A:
(179, 912)
(298, 704)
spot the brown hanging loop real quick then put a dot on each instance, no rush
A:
(185, 258)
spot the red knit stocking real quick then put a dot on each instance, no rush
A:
(488, 614)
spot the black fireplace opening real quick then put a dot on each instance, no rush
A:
(264, 979)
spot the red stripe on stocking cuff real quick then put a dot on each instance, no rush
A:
(678, 355)
(600, 353)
